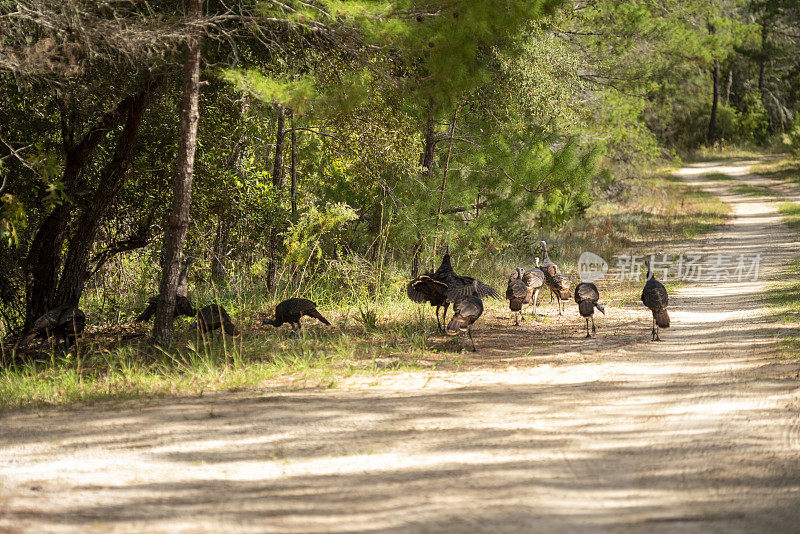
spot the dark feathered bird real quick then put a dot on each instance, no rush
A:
(65, 323)
(559, 286)
(519, 291)
(537, 278)
(212, 317)
(425, 288)
(466, 310)
(586, 296)
(183, 306)
(441, 287)
(291, 310)
(548, 267)
(654, 296)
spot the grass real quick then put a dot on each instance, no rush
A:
(719, 177)
(315, 358)
(783, 168)
(377, 330)
(784, 299)
(791, 213)
(726, 151)
(754, 191)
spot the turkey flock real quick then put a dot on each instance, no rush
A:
(444, 287)
(441, 288)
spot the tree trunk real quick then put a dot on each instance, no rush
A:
(76, 266)
(712, 122)
(179, 216)
(280, 137)
(728, 88)
(444, 179)
(426, 162)
(762, 73)
(294, 171)
(277, 182)
(43, 261)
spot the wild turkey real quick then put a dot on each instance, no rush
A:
(65, 323)
(559, 286)
(183, 306)
(586, 297)
(466, 310)
(549, 268)
(425, 288)
(440, 288)
(291, 310)
(519, 291)
(654, 296)
(537, 279)
(212, 317)
(555, 281)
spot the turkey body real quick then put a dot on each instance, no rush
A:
(587, 297)
(183, 306)
(213, 317)
(519, 291)
(466, 310)
(444, 286)
(555, 281)
(654, 296)
(65, 323)
(291, 310)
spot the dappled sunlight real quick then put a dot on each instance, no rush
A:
(541, 430)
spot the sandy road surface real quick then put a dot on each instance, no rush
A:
(699, 433)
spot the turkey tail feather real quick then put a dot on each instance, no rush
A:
(586, 308)
(457, 324)
(662, 318)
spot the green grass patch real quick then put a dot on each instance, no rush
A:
(791, 346)
(689, 211)
(754, 191)
(791, 213)
(784, 302)
(719, 177)
(784, 168)
(315, 358)
(723, 151)
(785, 298)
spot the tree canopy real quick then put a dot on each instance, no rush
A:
(339, 133)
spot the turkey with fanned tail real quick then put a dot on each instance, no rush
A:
(443, 287)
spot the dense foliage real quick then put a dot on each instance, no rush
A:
(338, 138)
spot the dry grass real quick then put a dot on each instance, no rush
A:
(784, 168)
(372, 334)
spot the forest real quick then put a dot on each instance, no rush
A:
(331, 149)
(389, 266)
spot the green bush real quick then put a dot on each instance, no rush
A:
(792, 137)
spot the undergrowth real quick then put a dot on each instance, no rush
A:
(376, 328)
(791, 213)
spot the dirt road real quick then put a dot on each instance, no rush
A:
(699, 433)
